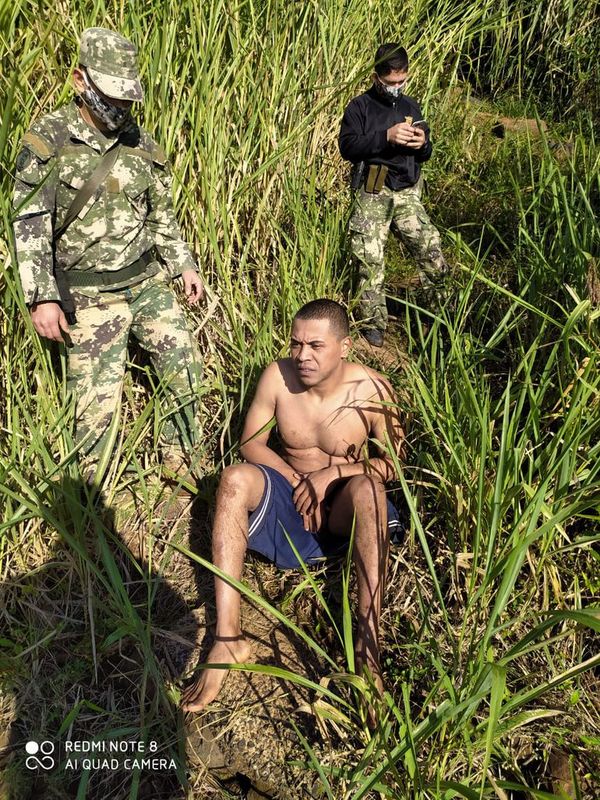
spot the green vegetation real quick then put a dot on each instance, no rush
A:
(492, 616)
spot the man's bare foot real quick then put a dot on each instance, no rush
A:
(225, 650)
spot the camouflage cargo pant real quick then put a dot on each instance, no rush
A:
(96, 366)
(374, 215)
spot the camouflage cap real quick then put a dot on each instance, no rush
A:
(111, 63)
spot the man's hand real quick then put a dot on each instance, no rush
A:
(49, 320)
(418, 140)
(192, 286)
(309, 493)
(404, 134)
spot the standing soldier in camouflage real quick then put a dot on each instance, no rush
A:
(384, 136)
(98, 244)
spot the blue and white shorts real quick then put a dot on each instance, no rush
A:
(276, 515)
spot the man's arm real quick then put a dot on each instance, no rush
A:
(424, 151)
(254, 447)
(423, 144)
(387, 434)
(33, 204)
(167, 236)
(356, 145)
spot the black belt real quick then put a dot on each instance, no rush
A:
(79, 277)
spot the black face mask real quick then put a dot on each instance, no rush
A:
(112, 116)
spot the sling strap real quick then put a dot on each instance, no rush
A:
(89, 188)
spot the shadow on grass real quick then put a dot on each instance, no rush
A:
(85, 635)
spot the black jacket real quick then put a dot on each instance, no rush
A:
(363, 136)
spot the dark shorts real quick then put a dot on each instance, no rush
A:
(276, 515)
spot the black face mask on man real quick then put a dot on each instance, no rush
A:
(114, 117)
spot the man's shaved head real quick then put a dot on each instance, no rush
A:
(327, 309)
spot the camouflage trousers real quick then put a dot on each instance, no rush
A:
(96, 367)
(373, 216)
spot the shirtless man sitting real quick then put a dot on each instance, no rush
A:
(324, 483)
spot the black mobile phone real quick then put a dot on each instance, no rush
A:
(420, 123)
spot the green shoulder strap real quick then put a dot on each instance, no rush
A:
(95, 180)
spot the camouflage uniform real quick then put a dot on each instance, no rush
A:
(373, 216)
(129, 216)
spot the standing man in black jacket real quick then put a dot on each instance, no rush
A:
(384, 135)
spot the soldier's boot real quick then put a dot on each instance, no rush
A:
(373, 336)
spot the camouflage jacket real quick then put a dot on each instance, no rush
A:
(129, 214)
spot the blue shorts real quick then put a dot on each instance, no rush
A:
(276, 515)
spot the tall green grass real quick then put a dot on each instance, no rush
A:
(491, 653)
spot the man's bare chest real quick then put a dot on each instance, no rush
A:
(338, 429)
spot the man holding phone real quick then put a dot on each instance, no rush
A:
(384, 135)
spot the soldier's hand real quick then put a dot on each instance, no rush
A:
(49, 320)
(192, 286)
(418, 139)
(402, 133)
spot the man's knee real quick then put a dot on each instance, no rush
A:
(366, 492)
(233, 478)
(241, 483)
